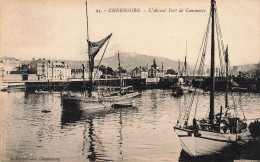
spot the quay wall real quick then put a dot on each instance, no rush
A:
(78, 84)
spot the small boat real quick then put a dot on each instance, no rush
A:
(121, 96)
(121, 105)
(177, 91)
(7, 86)
(46, 111)
(185, 85)
(46, 92)
(216, 133)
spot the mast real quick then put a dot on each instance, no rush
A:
(83, 75)
(52, 70)
(87, 19)
(212, 70)
(227, 86)
(185, 65)
(119, 70)
(89, 59)
(91, 66)
(179, 68)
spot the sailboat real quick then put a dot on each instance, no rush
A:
(185, 86)
(92, 101)
(177, 90)
(216, 133)
(121, 96)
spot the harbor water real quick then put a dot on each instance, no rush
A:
(140, 133)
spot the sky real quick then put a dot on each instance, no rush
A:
(58, 29)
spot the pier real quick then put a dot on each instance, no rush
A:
(237, 84)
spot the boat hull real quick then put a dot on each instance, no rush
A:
(98, 103)
(123, 100)
(122, 97)
(206, 144)
(90, 105)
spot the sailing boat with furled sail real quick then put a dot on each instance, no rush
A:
(91, 101)
(121, 96)
(215, 133)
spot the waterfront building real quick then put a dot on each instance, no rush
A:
(155, 71)
(139, 72)
(48, 70)
(217, 72)
(78, 73)
(34, 63)
(5, 70)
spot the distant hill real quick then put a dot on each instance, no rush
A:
(8, 58)
(129, 61)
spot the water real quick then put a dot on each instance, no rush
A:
(142, 133)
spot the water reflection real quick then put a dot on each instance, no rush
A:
(127, 134)
(77, 116)
(120, 140)
(95, 152)
(70, 114)
(92, 144)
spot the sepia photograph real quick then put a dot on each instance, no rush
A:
(129, 80)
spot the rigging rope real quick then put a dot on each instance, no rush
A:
(202, 52)
(202, 68)
(188, 109)
(180, 111)
(219, 33)
(240, 105)
(203, 40)
(219, 50)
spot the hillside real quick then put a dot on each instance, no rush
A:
(131, 60)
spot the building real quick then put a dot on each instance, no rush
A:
(34, 63)
(78, 73)
(48, 70)
(155, 71)
(5, 70)
(139, 72)
(217, 72)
